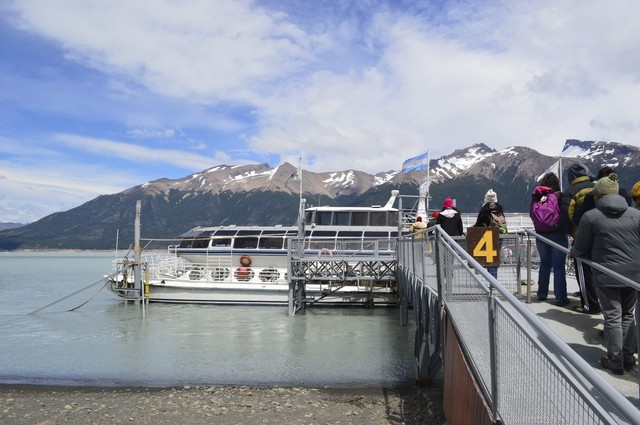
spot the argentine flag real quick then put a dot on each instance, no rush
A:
(420, 162)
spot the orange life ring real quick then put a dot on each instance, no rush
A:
(246, 261)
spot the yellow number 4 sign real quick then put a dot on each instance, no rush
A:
(483, 245)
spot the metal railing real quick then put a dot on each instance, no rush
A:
(526, 373)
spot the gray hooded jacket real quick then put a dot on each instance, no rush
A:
(610, 236)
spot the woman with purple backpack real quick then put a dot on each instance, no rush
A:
(550, 257)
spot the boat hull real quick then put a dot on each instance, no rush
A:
(167, 291)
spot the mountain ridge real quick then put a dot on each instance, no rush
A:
(257, 194)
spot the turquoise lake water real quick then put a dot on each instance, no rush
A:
(109, 343)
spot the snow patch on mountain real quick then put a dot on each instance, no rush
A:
(460, 161)
(344, 179)
(383, 178)
(510, 151)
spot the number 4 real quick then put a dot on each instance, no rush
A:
(484, 248)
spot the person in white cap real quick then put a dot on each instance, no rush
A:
(490, 196)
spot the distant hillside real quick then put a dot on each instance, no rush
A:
(9, 225)
(261, 195)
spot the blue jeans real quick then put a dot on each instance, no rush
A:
(552, 258)
(493, 271)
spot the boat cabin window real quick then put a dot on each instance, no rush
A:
(222, 238)
(381, 237)
(195, 239)
(246, 239)
(323, 218)
(392, 218)
(271, 239)
(186, 243)
(308, 217)
(378, 218)
(350, 240)
(202, 240)
(323, 239)
(359, 218)
(341, 218)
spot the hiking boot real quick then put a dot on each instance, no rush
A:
(629, 362)
(607, 365)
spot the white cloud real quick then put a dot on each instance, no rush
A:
(137, 153)
(195, 49)
(347, 85)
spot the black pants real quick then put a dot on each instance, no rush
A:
(588, 294)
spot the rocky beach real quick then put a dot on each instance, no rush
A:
(225, 405)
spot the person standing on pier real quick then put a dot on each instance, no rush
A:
(492, 215)
(449, 219)
(570, 201)
(610, 235)
(550, 257)
(589, 203)
(418, 226)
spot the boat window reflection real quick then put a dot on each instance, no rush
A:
(341, 218)
(246, 239)
(360, 218)
(272, 239)
(221, 238)
(323, 218)
(378, 218)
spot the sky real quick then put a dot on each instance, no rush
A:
(99, 96)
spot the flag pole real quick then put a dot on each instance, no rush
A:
(428, 179)
(560, 171)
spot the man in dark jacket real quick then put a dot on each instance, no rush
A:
(610, 235)
(571, 200)
(589, 203)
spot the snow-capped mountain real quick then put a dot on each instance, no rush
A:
(260, 194)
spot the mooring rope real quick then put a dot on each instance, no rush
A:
(95, 295)
(71, 295)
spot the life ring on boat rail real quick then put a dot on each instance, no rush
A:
(325, 251)
(246, 261)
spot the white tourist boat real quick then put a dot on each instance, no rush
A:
(344, 255)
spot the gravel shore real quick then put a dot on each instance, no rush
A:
(220, 405)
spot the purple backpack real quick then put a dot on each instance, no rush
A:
(545, 213)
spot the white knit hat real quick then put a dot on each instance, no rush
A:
(490, 196)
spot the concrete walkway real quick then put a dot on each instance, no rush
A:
(581, 332)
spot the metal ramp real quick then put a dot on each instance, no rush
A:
(341, 278)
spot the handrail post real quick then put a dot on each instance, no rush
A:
(492, 354)
(528, 269)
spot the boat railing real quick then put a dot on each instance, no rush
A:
(524, 371)
(344, 247)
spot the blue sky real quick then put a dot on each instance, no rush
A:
(99, 96)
